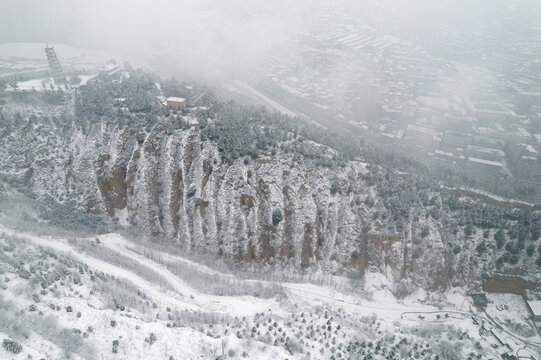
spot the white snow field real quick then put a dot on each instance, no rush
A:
(106, 297)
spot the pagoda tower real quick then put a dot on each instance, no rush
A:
(56, 69)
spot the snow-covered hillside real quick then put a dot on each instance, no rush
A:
(263, 195)
(219, 230)
(65, 297)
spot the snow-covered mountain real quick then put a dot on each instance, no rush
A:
(308, 233)
(234, 182)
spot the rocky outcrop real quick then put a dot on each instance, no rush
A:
(269, 210)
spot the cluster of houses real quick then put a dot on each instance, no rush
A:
(401, 93)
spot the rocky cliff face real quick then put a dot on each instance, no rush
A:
(274, 209)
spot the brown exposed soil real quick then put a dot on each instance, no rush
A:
(177, 190)
(307, 246)
(508, 284)
(130, 176)
(266, 251)
(202, 206)
(246, 201)
(112, 185)
(268, 232)
(287, 249)
(207, 171)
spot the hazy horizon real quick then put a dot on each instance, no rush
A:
(216, 37)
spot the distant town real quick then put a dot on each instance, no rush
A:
(473, 101)
(466, 99)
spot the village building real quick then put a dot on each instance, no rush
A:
(175, 103)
